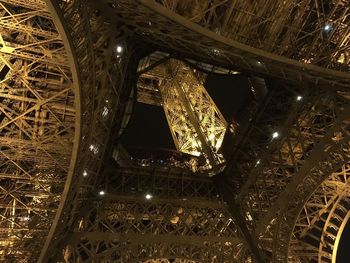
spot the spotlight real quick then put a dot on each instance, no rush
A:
(119, 49)
(275, 135)
(327, 28)
(93, 148)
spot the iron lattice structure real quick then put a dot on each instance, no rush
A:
(185, 220)
(67, 73)
(196, 124)
(37, 127)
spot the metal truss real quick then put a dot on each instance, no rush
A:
(170, 32)
(104, 73)
(281, 170)
(254, 140)
(190, 224)
(287, 170)
(338, 155)
(320, 224)
(162, 182)
(311, 31)
(326, 156)
(157, 58)
(196, 124)
(37, 127)
(147, 84)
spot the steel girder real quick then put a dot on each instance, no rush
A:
(276, 176)
(162, 182)
(272, 178)
(314, 126)
(147, 90)
(104, 76)
(326, 152)
(122, 226)
(196, 124)
(37, 127)
(320, 224)
(315, 32)
(171, 32)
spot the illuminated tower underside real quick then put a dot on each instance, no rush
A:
(285, 199)
(185, 221)
(195, 122)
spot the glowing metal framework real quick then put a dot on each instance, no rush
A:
(283, 199)
(195, 122)
(184, 220)
(37, 127)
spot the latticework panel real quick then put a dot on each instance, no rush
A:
(282, 156)
(298, 137)
(37, 127)
(311, 31)
(274, 169)
(335, 153)
(147, 87)
(104, 70)
(171, 32)
(196, 123)
(132, 228)
(277, 167)
(162, 182)
(319, 227)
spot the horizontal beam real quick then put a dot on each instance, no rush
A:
(194, 41)
(154, 238)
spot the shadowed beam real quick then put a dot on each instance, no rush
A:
(235, 211)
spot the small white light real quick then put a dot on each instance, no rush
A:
(249, 216)
(257, 163)
(119, 49)
(101, 192)
(93, 148)
(148, 196)
(275, 135)
(85, 173)
(259, 63)
(105, 111)
(299, 98)
(26, 218)
(327, 27)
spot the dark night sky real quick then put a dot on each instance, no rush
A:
(230, 93)
(148, 126)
